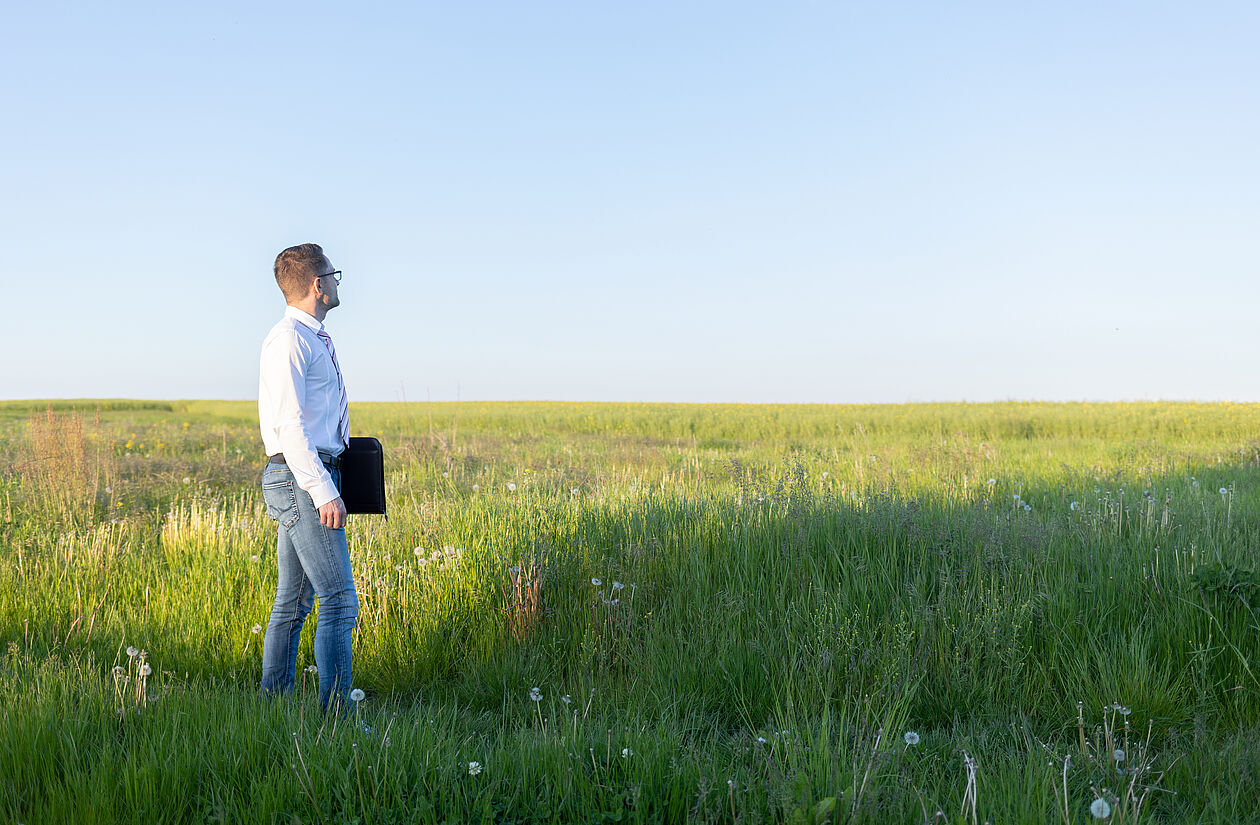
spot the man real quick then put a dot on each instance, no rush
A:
(304, 416)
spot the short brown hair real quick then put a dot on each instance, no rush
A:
(296, 266)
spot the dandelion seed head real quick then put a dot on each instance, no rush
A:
(568, 700)
(256, 629)
(474, 768)
(132, 652)
(911, 738)
(626, 753)
(145, 670)
(573, 491)
(1118, 754)
(991, 482)
(356, 695)
(187, 480)
(118, 670)
(1224, 491)
(511, 486)
(761, 740)
(535, 694)
(476, 487)
(616, 585)
(596, 582)
(1100, 808)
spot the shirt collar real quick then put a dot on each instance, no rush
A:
(298, 315)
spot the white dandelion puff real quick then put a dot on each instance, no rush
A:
(535, 695)
(626, 753)
(187, 480)
(145, 670)
(1076, 505)
(476, 487)
(991, 482)
(761, 740)
(825, 474)
(419, 551)
(118, 670)
(356, 695)
(511, 486)
(568, 700)
(596, 582)
(1224, 491)
(132, 652)
(911, 738)
(573, 491)
(616, 585)
(253, 558)
(312, 669)
(474, 768)
(446, 475)
(256, 629)
(1118, 754)
(1100, 808)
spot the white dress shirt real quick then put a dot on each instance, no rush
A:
(299, 401)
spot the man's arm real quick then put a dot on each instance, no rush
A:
(284, 384)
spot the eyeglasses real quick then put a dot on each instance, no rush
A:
(335, 275)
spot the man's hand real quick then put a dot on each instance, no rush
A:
(333, 514)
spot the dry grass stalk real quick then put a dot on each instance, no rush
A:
(524, 599)
(61, 467)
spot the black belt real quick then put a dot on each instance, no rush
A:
(333, 461)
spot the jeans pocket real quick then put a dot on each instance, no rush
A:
(281, 499)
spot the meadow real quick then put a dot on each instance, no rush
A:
(962, 613)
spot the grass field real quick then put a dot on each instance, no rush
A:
(924, 613)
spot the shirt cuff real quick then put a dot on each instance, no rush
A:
(323, 492)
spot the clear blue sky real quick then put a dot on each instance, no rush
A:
(655, 201)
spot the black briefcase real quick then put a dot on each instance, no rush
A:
(363, 476)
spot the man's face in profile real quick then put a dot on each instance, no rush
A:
(328, 287)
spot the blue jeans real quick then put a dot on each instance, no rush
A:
(313, 561)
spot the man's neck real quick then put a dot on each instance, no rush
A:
(312, 307)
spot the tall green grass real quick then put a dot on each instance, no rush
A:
(783, 594)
